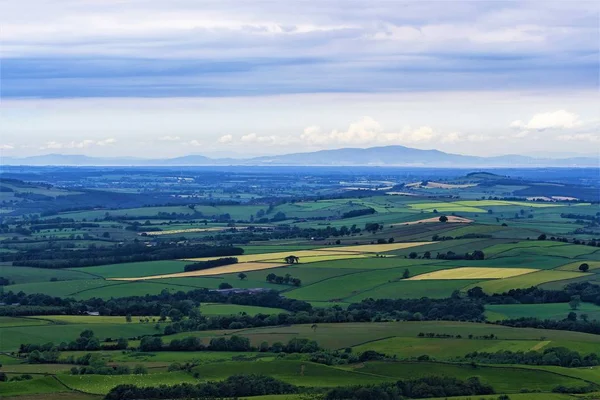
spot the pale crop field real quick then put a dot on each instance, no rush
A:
(327, 257)
(473, 273)
(281, 255)
(226, 269)
(189, 230)
(375, 248)
(451, 218)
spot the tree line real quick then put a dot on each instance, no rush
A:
(234, 386)
(134, 252)
(219, 262)
(560, 356)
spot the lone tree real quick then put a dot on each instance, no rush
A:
(292, 259)
(314, 327)
(575, 302)
(225, 285)
(443, 218)
(406, 274)
(584, 267)
(242, 275)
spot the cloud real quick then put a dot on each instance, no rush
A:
(368, 131)
(254, 138)
(84, 144)
(365, 130)
(580, 137)
(106, 142)
(225, 139)
(52, 49)
(443, 33)
(195, 143)
(6, 147)
(169, 138)
(560, 119)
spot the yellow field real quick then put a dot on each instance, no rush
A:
(473, 273)
(189, 230)
(374, 248)
(451, 218)
(226, 269)
(280, 256)
(328, 257)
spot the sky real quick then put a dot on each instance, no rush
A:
(158, 79)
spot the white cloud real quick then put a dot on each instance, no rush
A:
(443, 33)
(560, 119)
(6, 147)
(254, 138)
(195, 143)
(106, 142)
(169, 138)
(366, 130)
(225, 139)
(84, 144)
(580, 137)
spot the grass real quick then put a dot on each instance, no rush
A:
(300, 373)
(410, 289)
(101, 384)
(21, 275)
(46, 384)
(574, 266)
(6, 322)
(525, 281)
(446, 207)
(61, 289)
(555, 311)
(444, 349)
(503, 379)
(141, 288)
(231, 309)
(12, 337)
(352, 284)
(473, 273)
(334, 336)
(82, 319)
(136, 269)
(167, 357)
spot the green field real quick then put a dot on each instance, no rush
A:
(44, 385)
(231, 309)
(525, 281)
(101, 384)
(444, 349)
(542, 311)
(128, 270)
(503, 379)
(12, 337)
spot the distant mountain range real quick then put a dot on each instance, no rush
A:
(373, 156)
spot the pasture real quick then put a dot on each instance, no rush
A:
(556, 311)
(472, 273)
(526, 280)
